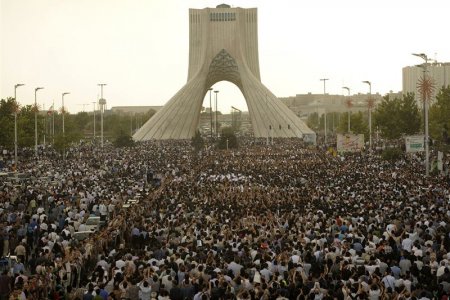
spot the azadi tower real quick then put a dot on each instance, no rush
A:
(223, 45)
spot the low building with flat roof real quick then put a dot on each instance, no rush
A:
(134, 109)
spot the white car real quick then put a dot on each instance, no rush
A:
(82, 235)
(92, 223)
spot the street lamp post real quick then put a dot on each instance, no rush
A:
(348, 123)
(131, 123)
(425, 108)
(210, 111)
(215, 114)
(63, 128)
(35, 121)
(102, 103)
(94, 119)
(369, 103)
(15, 123)
(268, 128)
(53, 122)
(325, 119)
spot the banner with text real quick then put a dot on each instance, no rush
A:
(350, 142)
(414, 143)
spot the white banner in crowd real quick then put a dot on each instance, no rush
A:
(350, 142)
(414, 143)
(440, 165)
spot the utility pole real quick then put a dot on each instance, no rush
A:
(35, 121)
(370, 104)
(425, 88)
(349, 103)
(102, 103)
(94, 118)
(63, 130)
(325, 108)
(16, 108)
(215, 113)
(210, 112)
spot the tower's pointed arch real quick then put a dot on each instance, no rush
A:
(223, 46)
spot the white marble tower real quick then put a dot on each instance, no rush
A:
(223, 45)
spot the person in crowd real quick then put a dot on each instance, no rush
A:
(284, 221)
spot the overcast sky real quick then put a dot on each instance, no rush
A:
(140, 47)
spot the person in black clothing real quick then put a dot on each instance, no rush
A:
(89, 295)
(5, 285)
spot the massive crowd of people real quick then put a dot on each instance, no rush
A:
(281, 221)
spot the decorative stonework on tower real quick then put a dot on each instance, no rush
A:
(223, 45)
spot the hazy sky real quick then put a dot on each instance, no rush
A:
(140, 47)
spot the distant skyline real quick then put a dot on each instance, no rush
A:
(140, 48)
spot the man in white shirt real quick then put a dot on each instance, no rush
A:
(103, 263)
(407, 244)
(235, 267)
(295, 257)
(389, 281)
(266, 273)
(120, 263)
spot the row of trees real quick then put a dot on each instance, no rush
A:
(227, 140)
(393, 118)
(76, 126)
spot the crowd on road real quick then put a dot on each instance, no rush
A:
(281, 221)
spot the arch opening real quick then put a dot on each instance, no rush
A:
(232, 110)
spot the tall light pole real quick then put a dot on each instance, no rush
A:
(131, 122)
(53, 122)
(94, 119)
(210, 110)
(35, 121)
(270, 126)
(425, 89)
(325, 119)
(63, 128)
(348, 123)
(15, 123)
(102, 103)
(369, 104)
(215, 114)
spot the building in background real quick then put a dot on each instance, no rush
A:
(305, 104)
(134, 109)
(440, 72)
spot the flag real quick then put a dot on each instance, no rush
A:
(35, 108)
(50, 111)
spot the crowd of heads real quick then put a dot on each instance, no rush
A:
(281, 221)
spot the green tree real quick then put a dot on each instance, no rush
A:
(25, 124)
(392, 154)
(386, 117)
(25, 128)
(124, 139)
(358, 123)
(81, 121)
(409, 115)
(77, 126)
(313, 121)
(64, 142)
(116, 123)
(197, 141)
(7, 122)
(61, 142)
(228, 136)
(396, 117)
(439, 115)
